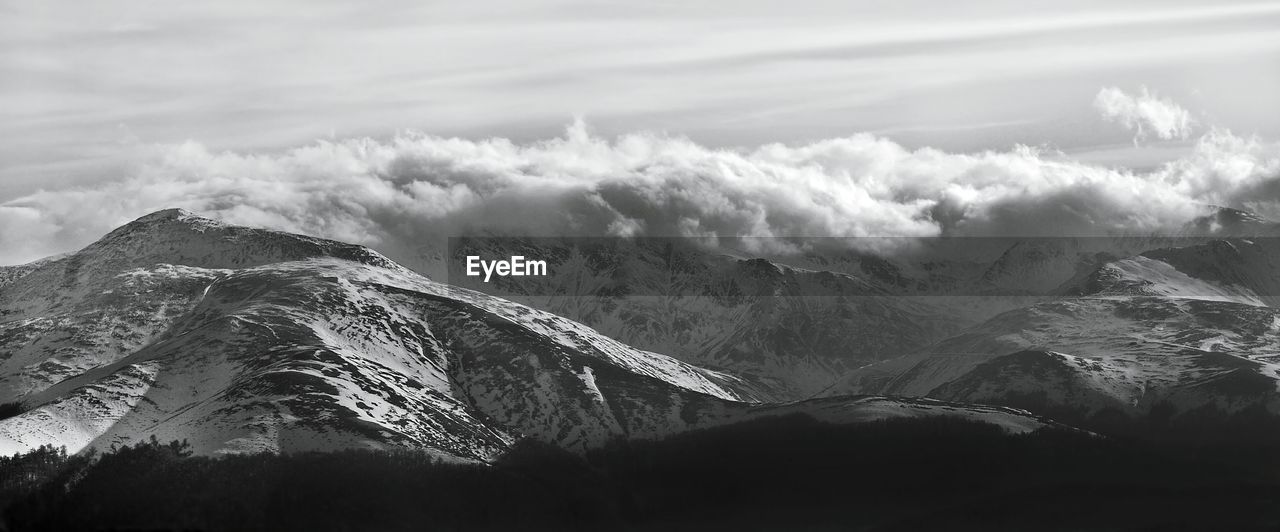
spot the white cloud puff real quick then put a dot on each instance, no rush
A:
(1146, 114)
(405, 194)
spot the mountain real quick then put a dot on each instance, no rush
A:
(789, 330)
(8, 274)
(1186, 329)
(1228, 222)
(793, 324)
(1075, 325)
(245, 340)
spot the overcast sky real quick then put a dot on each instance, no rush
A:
(88, 88)
(80, 79)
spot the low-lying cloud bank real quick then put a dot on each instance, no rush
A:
(405, 194)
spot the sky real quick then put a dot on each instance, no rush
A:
(120, 100)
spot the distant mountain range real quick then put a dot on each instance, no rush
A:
(1183, 322)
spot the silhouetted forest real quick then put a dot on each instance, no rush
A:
(785, 473)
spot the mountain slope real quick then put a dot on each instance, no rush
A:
(788, 330)
(1150, 335)
(243, 340)
(797, 324)
(251, 340)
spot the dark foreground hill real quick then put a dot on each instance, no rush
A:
(780, 473)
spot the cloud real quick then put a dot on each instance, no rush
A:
(405, 194)
(1145, 114)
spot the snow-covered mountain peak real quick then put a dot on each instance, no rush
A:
(170, 214)
(164, 220)
(170, 237)
(179, 236)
